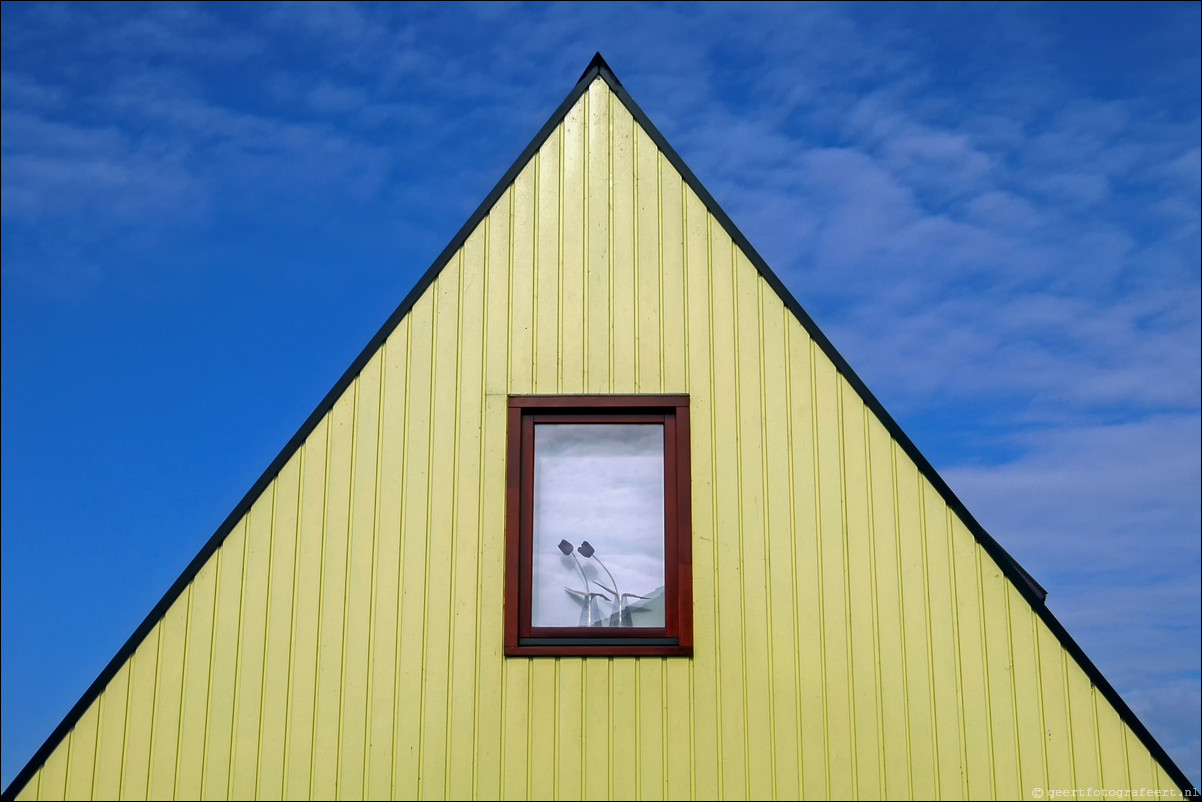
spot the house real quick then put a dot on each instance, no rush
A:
(599, 513)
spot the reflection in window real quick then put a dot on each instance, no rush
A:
(598, 528)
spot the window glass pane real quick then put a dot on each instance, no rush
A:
(598, 535)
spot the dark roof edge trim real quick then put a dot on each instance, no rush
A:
(227, 526)
(1031, 590)
(597, 67)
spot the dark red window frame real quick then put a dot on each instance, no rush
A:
(676, 636)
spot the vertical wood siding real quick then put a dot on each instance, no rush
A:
(852, 638)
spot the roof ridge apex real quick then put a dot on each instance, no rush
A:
(598, 66)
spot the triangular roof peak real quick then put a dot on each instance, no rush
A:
(597, 67)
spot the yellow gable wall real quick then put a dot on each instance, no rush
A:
(852, 638)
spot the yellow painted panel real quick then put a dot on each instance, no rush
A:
(780, 547)
(622, 297)
(832, 580)
(915, 625)
(546, 224)
(415, 505)
(199, 601)
(51, 781)
(302, 680)
(248, 696)
(651, 734)
(360, 598)
(172, 634)
(852, 639)
(110, 740)
(1029, 719)
(515, 269)
(861, 599)
(385, 580)
(942, 644)
(81, 755)
(598, 731)
(464, 630)
(223, 662)
(569, 741)
(542, 697)
(565, 348)
(278, 632)
(689, 252)
(646, 259)
(975, 747)
(139, 719)
(891, 675)
(599, 267)
(999, 663)
(680, 281)
(1058, 745)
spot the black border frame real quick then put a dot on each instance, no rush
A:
(597, 68)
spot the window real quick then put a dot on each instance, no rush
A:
(599, 555)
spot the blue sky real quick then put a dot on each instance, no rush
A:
(992, 210)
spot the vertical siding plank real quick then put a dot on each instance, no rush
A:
(302, 682)
(357, 615)
(417, 439)
(81, 759)
(1113, 756)
(139, 722)
(1083, 726)
(754, 577)
(1028, 710)
(803, 479)
(521, 274)
(682, 303)
(890, 634)
(571, 346)
(732, 724)
(692, 258)
(51, 780)
(651, 734)
(194, 707)
(624, 738)
(1000, 670)
(833, 576)
(598, 730)
(440, 534)
(623, 301)
(387, 570)
(860, 597)
(518, 730)
(1058, 743)
(942, 640)
(327, 748)
(598, 269)
(543, 758)
(547, 223)
(782, 601)
(461, 743)
(915, 616)
(489, 735)
(570, 748)
(650, 273)
(110, 737)
(223, 666)
(679, 730)
(272, 735)
(970, 662)
(245, 752)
